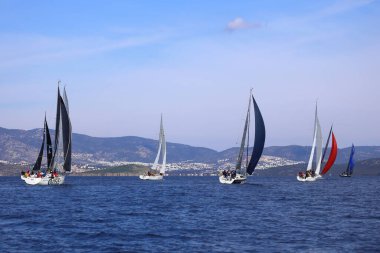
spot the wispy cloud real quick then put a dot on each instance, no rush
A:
(26, 49)
(344, 6)
(240, 24)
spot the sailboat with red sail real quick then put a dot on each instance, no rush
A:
(333, 153)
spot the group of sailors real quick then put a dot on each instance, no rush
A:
(308, 173)
(152, 174)
(229, 173)
(39, 174)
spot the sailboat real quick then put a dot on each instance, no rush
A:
(333, 153)
(158, 174)
(312, 174)
(239, 175)
(63, 133)
(34, 177)
(350, 165)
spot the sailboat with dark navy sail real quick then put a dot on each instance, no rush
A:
(350, 165)
(34, 176)
(59, 159)
(239, 175)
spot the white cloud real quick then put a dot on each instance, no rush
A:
(240, 24)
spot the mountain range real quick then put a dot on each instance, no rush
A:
(23, 145)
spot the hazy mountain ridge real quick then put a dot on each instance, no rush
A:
(23, 145)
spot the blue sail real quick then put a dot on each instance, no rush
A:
(351, 162)
(259, 139)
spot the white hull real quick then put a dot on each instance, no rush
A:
(45, 180)
(308, 179)
(146, 177)
(238, 179)
(32, 180)
(23, 178)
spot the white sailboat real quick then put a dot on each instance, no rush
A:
(239, 175)
(158, 174)
(57, 168)
(312, 175)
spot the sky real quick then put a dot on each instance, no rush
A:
(123, 63)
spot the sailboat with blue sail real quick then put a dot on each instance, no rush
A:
(239, 175)
(350, 165)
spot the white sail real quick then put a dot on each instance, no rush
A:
(154, 167)
(244, 137)
(310, 164)
(319, 141)
(163, 167)
(161, 150)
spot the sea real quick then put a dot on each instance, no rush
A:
(191, 214)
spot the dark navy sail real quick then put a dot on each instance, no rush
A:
(57, 132)
(66, 136)
(37, 165)
(259, 139)
(49, 147)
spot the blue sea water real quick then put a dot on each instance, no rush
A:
(191, 214)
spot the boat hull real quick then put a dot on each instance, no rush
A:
(345, 175)
(308, 179)
(156, 177)
(23, 178)
(239, 179)
(45, 180)
(32, 180)
(52, 181)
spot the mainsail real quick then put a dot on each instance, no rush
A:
(333, 154)
(163, 167)
(37, 165)
(66, 136)
(259, 139)
(161, 150)
(57, 129)
(243, 139)
(317, 145)
(351, 162)
(318, 148)
(49, 147)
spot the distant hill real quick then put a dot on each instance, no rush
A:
(370, 167)
(23, 145)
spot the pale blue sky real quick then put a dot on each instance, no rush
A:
(125, 62)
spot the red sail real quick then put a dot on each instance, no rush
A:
(332, 157)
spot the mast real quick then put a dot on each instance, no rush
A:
(37, 164)
(258, 145)
(241, 151)
(332, 157)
